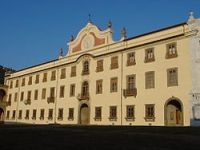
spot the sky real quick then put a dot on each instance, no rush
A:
(33, 31)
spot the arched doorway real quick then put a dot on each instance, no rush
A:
(1, 115)
(84, 114)
(173, 112)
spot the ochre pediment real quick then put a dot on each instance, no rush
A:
(88, 38)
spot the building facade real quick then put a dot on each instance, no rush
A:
(150, 79)
(3, 91)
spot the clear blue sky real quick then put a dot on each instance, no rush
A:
(32, 31)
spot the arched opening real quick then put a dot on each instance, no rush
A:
(2, 94)
(1, 115)
(173, 113)
(84, 114)
(85, 89)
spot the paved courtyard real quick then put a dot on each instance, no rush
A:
(57, 137)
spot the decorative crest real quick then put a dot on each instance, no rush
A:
(123, 33)
(71, 38)
(109, 24)
(191, 16)
(61, 52)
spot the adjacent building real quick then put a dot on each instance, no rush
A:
(3, 89)
(150, 79)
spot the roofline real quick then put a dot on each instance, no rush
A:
(36, 65)
(162, 29)
(134, 37)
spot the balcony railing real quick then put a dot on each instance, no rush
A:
(85, 72)
(83, 96)
(34, 117)
(6, 103)
(50, 118)
(27, 102)
(130, 92)
(60, 118)
(51, 99)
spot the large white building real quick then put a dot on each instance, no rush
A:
(150, 79)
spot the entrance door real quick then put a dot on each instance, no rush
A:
(84, 114)
(174, 114)
(1, 115)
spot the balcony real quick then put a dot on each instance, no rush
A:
(83, 96)
(27, 102)
(60, 118)
(51, 99)
(50, 118)
(6, 103)
(34, 118)
(41, 117)
(130, 92)
(85, 72)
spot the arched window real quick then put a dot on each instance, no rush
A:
(85, 68)
(85, 89)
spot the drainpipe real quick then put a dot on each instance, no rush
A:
(56, 95)
(121, 85)
(18, 99)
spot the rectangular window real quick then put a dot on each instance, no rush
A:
(86, 67)
(37, 79)
(130, 79)
(149, 112)
(44, 77)
(43, 93)
(114, 62)
(131, 59)
(52, 92)
(8, 114)
(63, 73)
(41, 114)
(72, 90)
(16, 96)
(53, 75)
(30, 80)
(62, 91)
(131, 89)
(71, 114)
(50, 117)
(60, 114)
(73, 71)
(36, 95)
(99, 86)
(150, 80)
(10, 98)
(27, 115)
(11, 84)
(29, 95)
(22, 96)
(98, 113)
(20, 114)
(113, 84)
(13, 115)
(34, 114)
(23, 82)
(171, 50)
(149, 55)
(172, 77)
(99, 66)
(113, 112)
(130, 112)
(17, 83)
